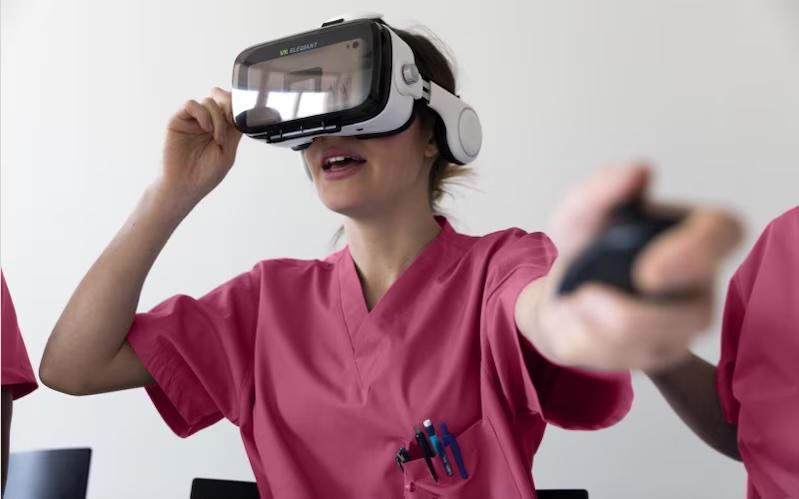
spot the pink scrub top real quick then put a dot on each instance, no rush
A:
(17, 375)
(325, 392)
(758, 373)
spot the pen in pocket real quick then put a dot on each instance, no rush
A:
(427, 452)
(438, 446)
(449, 441)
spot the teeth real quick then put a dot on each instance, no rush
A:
(333, 160)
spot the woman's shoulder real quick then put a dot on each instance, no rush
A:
(785, 223)
(509, 239)
(290, 268)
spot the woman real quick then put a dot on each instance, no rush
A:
(327, 365)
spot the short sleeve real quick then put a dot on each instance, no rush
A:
(17, 373)
(739, 292)
(735, 308)
(200, 353)
(734, 312)
(566, 397)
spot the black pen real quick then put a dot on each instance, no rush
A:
(427, 452)
(403, 456)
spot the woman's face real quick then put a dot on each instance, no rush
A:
(356, 177)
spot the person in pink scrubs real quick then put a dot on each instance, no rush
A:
(327, 365)
(17, 376)
(747, 407)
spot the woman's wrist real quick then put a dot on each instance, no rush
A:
(532, 321)
(667, 373)
(169, 203)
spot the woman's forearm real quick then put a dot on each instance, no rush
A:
(690, 388)
(90, 334)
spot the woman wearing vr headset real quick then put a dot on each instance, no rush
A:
(327, 365)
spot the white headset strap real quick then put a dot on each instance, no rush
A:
(464, 133)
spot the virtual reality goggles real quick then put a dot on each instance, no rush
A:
(351, 77)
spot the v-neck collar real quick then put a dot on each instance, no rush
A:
(353, 301)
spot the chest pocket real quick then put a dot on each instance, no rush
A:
(488, 473)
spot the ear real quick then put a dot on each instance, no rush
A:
(431, 148)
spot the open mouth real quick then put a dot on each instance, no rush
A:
(339, 162)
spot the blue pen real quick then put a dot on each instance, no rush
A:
(449, 441)
(438, 446)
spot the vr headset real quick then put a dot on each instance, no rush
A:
(352, 77)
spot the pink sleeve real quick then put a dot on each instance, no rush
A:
(200, 353)
(738, 293)
(734, 311)
(566, 397)
(17, 374)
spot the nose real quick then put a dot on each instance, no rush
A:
(319, 141)
(333, 139)
(322, 141)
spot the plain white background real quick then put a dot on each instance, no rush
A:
(707, 89)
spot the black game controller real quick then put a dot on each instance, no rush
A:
(609, 258)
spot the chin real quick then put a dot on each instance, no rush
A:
(342, 198)
(343, 205)
(351, 208)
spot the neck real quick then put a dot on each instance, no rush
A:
(384, 245)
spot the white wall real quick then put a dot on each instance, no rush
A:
(707, 89)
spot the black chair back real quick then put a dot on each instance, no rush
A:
(562, 494)
(48, 474)
(207, 488)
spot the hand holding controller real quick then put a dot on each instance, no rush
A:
(609, 258)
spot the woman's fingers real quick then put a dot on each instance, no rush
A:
(218, 118)
(213, 115)
(622, 317)
(586, 209)
(194, 111)
(688, 256)
(223, 100)
(600, 327)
